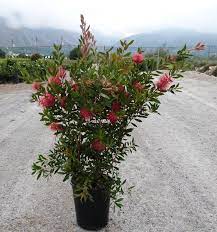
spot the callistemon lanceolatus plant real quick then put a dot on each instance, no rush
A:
(93, 107)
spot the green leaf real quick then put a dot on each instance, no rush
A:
(104, 95)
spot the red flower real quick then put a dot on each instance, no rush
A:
(86, 114)
(112, 117)
(46, 101)
(98, 146)
(36, 85)
(164, 82)
(138, 85)
(121, 88)
(55, 126)
(75, 87)
(61, 73)
(116, 106)
(199, 46)
(127, 94)
(63, 102)
(55, 80)
(138, 58)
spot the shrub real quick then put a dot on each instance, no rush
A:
(16, 70)
(2, 54)
(22, 55)
(94, 112)
(75, 53)
(9, 71)
(35, 57)
(32, 71)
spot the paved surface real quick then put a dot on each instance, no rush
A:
(174, 170)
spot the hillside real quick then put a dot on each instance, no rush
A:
(172, 38)
(27, 36)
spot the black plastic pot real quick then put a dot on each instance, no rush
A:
(93, 215)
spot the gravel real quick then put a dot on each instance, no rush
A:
(173, 171)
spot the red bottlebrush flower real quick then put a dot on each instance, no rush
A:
(138, 85)
(63, 102)
(199, 46)
(55, 126)
(61, 73)
(36, 85)
(55, 80)
(127, 94)
(46, 101)
(98, 146)
(121, 88)
(116, 106)
(112, 117)
(86, 114)
(164, 82)
(138, 58)
(75, 87)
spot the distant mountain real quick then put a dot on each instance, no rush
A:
(28, 37)
(105, 40)
(172, 38)
(44, 36)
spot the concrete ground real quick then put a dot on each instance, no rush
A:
(174, 170)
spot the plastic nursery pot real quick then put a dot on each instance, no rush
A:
(93, 214)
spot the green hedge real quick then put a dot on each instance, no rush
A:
(2, 54)
(18, 70)
(9, 71)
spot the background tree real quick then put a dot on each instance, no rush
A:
(36, 56)
(22, 55)
(2, 54)
(75, 53)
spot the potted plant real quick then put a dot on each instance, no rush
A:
(93, 112)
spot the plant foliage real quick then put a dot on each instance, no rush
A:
(2, 54)
(94, 110)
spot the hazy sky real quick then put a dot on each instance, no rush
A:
(113, 16)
